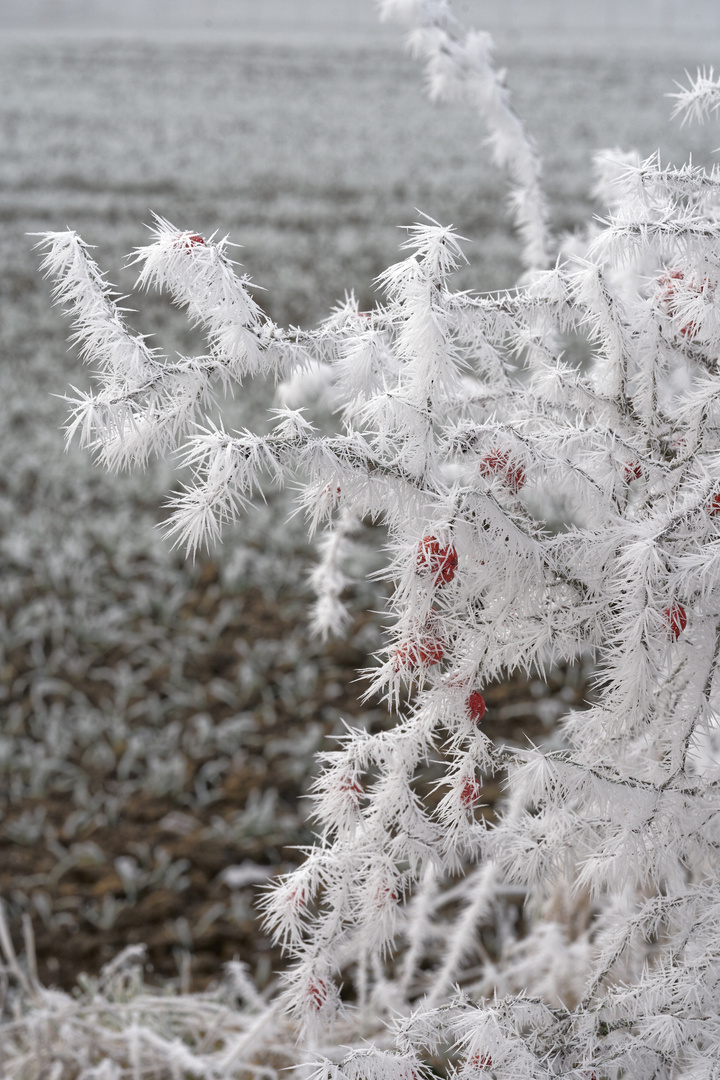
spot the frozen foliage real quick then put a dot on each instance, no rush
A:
(468, 430)
(117, 1027)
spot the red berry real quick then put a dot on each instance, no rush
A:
(428, 651)
(317, 993)
(296, 898)
(671, 287)
(666, 284)
(498, 463)
(714, 505)
(331, 496)
(479, 1061)
(677, 443)
(401, 657)
(493, 463)
(633, 471)
(350, 787)
(475, 706)
(384, 895)
(189, 240)
(675, 620)
(515, 476)
(431, 651)
(668, 287)
(470, 792)
(437, 559)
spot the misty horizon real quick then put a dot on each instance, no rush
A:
(524, 21)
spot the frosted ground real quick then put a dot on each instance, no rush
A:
(158, 717)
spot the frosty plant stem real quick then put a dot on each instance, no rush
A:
(465, 462)
(458, 68)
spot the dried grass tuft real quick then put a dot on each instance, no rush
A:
(115, 1027)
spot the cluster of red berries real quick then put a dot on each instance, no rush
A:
(714, 505)
(440, 561)
(427, 651)
(437, 559)
(479, 1061)
(675, 618)
(498, 463)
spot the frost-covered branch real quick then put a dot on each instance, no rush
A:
(699, 100)
(458, 68)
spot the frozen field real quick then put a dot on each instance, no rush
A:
(147, 703)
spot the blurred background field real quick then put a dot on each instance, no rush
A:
(159, 716)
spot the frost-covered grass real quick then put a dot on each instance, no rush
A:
(114, 1026)
(310, 160)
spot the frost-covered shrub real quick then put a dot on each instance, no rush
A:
(468, 430)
